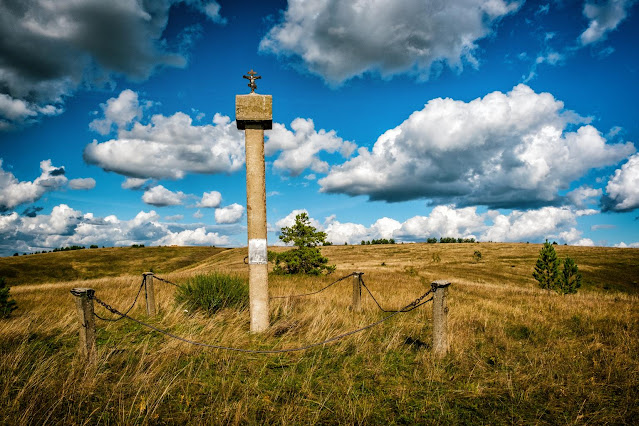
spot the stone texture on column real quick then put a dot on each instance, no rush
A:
(149, 291)
(440, 318)
(254, 115)
(357, 292)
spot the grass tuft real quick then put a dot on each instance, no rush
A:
(212, 292)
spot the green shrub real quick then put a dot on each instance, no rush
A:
(7, 304)
(477, 256)
(570, 278)
(547, 267)
(302, 260)
(306, 258)
(211, 292)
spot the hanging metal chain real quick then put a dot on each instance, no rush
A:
(413, 305)
(130, 307)
(166, 281)
(417, 303)
(314, 292)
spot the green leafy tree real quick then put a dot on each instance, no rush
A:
(7, 305)
(547, 267)
(570, 278)
(306, 258)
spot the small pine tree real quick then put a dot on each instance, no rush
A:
(547, 267)
(306, 258)
(7, 305)
(570, 278)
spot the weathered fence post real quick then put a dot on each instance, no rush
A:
(84, 305)
(357, 292)
(150, 293)
(440, 318)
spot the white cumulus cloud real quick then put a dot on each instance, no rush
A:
(289, 220)
(65, 226)
(229, 214)
(530, 225)
(195, 237)
(14, 192)
(82, 183)
(507, 150)
(622, 190)
(443, 221)
(210, 200)
(555, 223)
(134, 183)
(159, 196)
(603, 16)
(584, 195)
(300, 147)
(17, 111)
(120, 111)
(170, 147)
(339, 39)
(630, 245)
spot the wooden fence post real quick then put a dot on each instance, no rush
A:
(440, 318)
(84, 306)
(150, 294)
(357, 292)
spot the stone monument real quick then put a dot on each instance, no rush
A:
(254, 114)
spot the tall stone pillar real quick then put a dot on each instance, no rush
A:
(254, 114)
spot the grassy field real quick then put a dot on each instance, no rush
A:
(98, 263)
(519, 354)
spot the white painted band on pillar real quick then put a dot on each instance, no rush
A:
(257, 252)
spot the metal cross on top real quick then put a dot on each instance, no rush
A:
(251, 77)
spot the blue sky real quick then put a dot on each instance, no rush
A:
(500, 120)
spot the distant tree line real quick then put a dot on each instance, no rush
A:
(70, 248)
(380, 241)
(433, 240)
(57, 249)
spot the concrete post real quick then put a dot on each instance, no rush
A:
(357, 292)
(149, 291)
(440, 318)
(254, 115)
(84, 307)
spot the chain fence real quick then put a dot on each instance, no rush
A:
(413, 305)
(130, 307)
(409, 307)
(313, 292)
(165, 280)
(405, 309)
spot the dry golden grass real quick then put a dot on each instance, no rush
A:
(519, 354)
(97, 263)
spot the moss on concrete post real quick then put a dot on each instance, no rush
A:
(254, 115)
